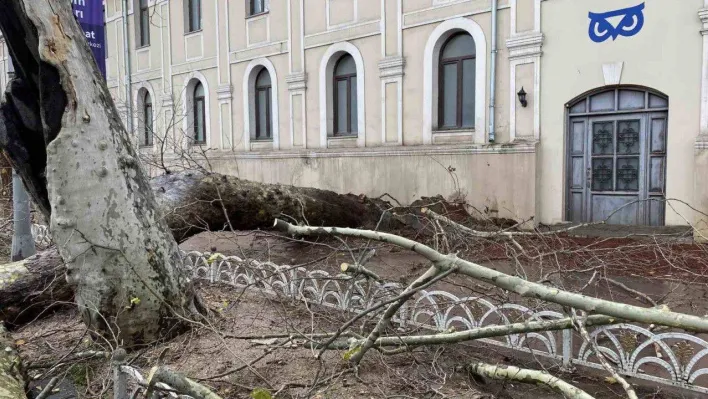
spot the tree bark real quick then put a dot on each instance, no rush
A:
(65, 138)
(32, 287)
(12, 376)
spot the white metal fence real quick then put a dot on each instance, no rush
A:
(670, 358)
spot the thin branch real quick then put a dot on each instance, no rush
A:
(515, 284)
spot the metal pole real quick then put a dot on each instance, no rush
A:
(493, 74)
(22, 240)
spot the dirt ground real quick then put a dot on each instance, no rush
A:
(208, 352)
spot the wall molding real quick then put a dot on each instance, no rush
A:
(296, 81)
(703, 15)
(490, 149)
(392, 66)
(526, 45)
(223, 92)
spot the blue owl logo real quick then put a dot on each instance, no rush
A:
(624, 22)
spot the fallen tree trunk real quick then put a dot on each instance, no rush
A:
(12, 378)
(33, 286)
(193, 202)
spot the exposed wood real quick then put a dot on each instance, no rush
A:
(12, 375)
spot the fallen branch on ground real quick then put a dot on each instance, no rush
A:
(511, 373)
(512, 283)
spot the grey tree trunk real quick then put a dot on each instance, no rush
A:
(65, 138)
(22, 240)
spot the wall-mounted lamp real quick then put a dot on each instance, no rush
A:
(522, 97)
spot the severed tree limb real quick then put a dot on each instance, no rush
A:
(359, 269)
(432, 275)
(512, 283)
(180, 383)
(489, 234)
(478, 333)
(12, 374)
(580, 323)
(528, 376)
(32, 286)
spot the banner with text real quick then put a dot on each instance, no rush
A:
(89, 13)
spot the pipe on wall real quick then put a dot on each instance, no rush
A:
(128, 78)
(493, 74)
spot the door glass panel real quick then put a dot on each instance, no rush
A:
(658, 135)
(602, 172)
(628, 137)
(627, 174)
(468, 70)
(450, 95)
(631, 99)
(577, 137)
(578, 108)
(603, 102)
(602, 137)
(353, 101)
(656, 175)
(657, 102)
(342, 106)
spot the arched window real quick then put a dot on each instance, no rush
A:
(457, 83)
(344, 95)
(147, 132)
(263, 106)
(199, 114)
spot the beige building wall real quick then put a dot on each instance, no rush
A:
(543, 46)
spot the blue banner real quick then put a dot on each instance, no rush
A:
(89, 13)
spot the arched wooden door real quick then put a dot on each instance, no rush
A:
(616, 167)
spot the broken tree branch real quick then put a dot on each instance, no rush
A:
(180, 383)
(478, 333)
(512, 283)
(580, 327)
(511, 373)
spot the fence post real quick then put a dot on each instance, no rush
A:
(120, 385)
(567, 349)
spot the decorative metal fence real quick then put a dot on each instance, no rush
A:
(670, 358)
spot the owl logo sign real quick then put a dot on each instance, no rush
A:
(624, 22)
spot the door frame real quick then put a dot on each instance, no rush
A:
(647, 113)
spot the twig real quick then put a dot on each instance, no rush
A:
(631, 290)
(580, 326)
(354, 269)
(48, 389)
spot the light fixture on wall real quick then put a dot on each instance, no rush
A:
(522, 97)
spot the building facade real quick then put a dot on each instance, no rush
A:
(556, 110)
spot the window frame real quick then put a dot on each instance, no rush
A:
(199, 104)
(143, 24)
(251, 6)
(147, 139)
(191, 18)
(335, 97)
(268, 89)
(459, 101)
